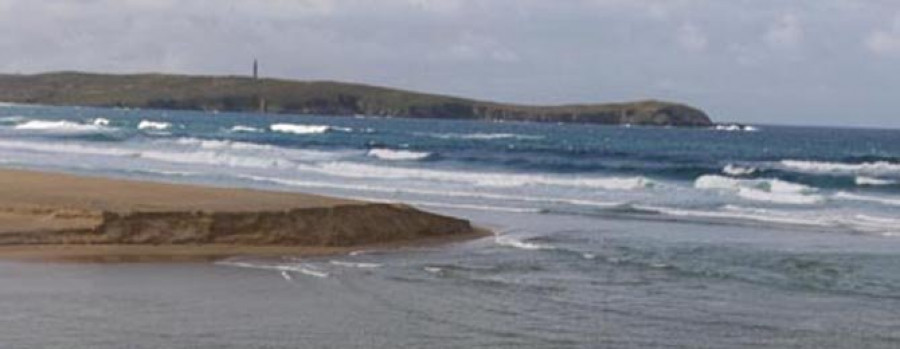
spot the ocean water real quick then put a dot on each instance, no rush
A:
(607, 236)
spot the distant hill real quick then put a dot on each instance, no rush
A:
(243, 94)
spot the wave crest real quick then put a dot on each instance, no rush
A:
(770, 190)
(877, 167)
(483, 136)
(61, 126)
(398, 155)
(242, 128)
(872, 181)
(153, 125)
(735, 170)
(302, 129)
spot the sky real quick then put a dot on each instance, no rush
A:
(800, 62)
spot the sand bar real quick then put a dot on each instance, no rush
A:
(68, 217)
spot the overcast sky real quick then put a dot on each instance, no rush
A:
(821, 62)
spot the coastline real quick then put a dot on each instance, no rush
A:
(60, 217)
(277, 96)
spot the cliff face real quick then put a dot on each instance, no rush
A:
(342, 225)
(321, 97)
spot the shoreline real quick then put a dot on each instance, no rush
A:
(60, 217)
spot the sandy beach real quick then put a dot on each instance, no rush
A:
(49, 216)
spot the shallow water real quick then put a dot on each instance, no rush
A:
(607, 236)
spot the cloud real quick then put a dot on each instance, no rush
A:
(885, 41)
(437, 6)
(474, 47)
(767, 52)
(786, 32)
(690, 37)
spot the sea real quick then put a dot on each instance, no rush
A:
(604, 236)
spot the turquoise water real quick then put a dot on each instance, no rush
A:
(607, 236)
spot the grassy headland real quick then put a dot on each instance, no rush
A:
(243, 94)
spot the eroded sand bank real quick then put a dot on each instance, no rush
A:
(58, 216)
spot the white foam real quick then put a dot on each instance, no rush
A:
(221, 144)
(13, 119)
(867, 198)
(398, 155)
(439, 193)
(100, 122)
(874, 168)
(739, 213)
(242, 128)
(780, 197)
(482, 136)
(475, 207)
(770, 185)
(57, 126)
(735, 128)
(153, 125)
(872, 181)
(884, 226)
(216, 158)
(735, 170)
(299, 268)
(355, 264)
(299, 129)
(504, 240)
(716, 182)
(486, 179)
(309, 271)
(770, 190)
(880, 220)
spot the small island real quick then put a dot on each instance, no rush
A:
(47, 216)
(250, 94)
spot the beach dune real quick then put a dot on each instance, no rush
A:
(48, 215)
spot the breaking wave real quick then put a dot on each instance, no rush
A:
(735, 128)
(242, 128)
(867, 198)
(508, 241)
(806, 218)
(306, 129)
(486, 179)
(735, 170)
(222, 144)
(876, 167)
(872, 181)
(58, 126)
(398, 155)
(770, 190)
(482, 136)
(153, 125)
